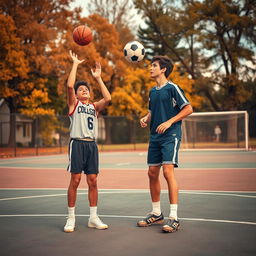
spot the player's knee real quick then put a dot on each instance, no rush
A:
(168, 172)
(152, 174)
(167, 175)
(75, 182)
(92, 182)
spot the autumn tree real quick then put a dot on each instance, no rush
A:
(33, 27)
(14, 68)
(105, 48)
(131, 100)
(12, 62)
(44, 33)
(119, 13)
(206, 37)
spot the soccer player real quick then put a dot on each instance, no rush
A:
(83, 151)
(167, 107)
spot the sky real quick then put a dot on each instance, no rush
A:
(84, 4)
(81, 3)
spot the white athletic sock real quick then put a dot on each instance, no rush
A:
(93, 211)
(71, 212)
(173, 211)
(156, 209)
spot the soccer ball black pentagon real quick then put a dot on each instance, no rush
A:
(134, 51)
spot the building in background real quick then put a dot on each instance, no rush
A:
(23, 127)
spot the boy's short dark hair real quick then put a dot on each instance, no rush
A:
(79, 83)
(164, 62)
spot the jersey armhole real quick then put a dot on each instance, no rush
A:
(70, 114)
(97, 113)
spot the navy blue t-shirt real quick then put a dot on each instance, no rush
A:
(164, 103)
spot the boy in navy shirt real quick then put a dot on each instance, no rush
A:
(167, 107)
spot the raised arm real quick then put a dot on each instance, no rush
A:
(101, 104)
(71, 101)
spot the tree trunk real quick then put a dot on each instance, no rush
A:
(34, 131)
(12, 135)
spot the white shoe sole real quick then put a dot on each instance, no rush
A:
(97, 227)
(69, 230)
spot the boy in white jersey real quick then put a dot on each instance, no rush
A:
(83, 151)
(167, 107)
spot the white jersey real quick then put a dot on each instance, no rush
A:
(84, 122)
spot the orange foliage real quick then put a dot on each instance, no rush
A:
(33, 103)
(12, 61)
(131, 98)
(105, 48)
(36, 51)
(28, 32)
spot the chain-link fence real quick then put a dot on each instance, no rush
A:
(21, 135)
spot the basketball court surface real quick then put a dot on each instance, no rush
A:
(217, 206)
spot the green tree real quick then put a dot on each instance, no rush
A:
(214, 41)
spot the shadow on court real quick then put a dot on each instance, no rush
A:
(212, 223)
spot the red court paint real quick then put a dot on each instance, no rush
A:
(188, 179)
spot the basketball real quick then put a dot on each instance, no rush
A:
(82, 35)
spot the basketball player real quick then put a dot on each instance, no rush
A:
(83, 151)
(167, 107)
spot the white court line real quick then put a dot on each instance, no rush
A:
(133, 189)
(33, 168)
(217, 194)
(121, 164)
(127, 217)
(32, 159)
(128, 192)
(130, 169)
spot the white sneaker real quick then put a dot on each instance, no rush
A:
(70, 225)
(95, 222)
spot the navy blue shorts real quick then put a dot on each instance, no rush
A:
(83, 157)
(163, 152)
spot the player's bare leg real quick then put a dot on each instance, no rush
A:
(168, 170)
(155, 189)
(94, 220)
(173, 223)
(154, 183)
(72, 192)
(72, 189)
(92, 189)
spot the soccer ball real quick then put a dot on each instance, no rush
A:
(134, 51)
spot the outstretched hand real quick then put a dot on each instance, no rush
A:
(97, 71)
(75, 58)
